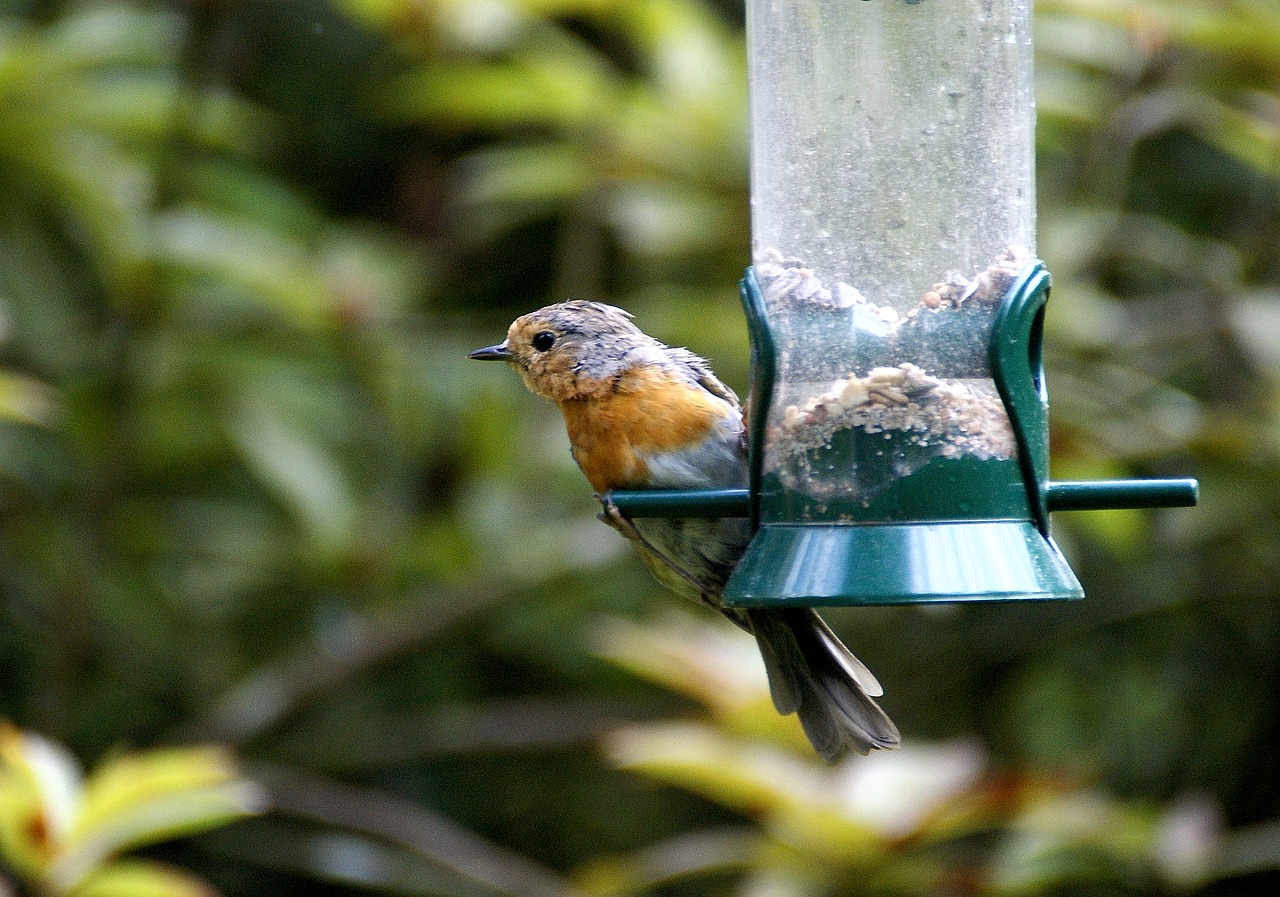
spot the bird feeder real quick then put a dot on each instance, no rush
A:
(899, 428)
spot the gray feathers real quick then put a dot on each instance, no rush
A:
(812, 674)
(782, 660)
(702, 374)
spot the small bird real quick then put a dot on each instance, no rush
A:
(643, 415)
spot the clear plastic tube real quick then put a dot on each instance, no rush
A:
(892, 205)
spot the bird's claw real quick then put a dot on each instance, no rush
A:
(612, 515)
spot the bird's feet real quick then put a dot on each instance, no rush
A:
(612, 515)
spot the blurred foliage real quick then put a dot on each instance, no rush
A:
(62, 833)
(251, 493)
(925, 819)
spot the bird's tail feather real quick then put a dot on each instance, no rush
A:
(813, 674)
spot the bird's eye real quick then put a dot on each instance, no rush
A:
(544, 340)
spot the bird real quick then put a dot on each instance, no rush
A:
(643, 415)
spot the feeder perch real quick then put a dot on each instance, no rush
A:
(899, 425)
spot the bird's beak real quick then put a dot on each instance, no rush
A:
(499, 352)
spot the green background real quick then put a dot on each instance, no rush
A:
(252, 493)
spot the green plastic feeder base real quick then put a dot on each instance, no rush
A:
(842, 565)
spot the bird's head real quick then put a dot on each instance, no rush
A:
(571, 349)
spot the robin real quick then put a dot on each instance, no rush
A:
(643, 415)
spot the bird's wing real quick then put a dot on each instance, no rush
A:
(703, 375)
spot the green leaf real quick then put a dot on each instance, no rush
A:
(112, 34)
(268, 269)
(554, 79)
(301, 472)
(140, 799)
(736, 774)
(538, 174)
(26, 400)
(40, 789)
(137, 878)
(656, 219)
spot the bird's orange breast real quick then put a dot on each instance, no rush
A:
(648, 411)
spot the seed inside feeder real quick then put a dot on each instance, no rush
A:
(918, 381)
(957, 417)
